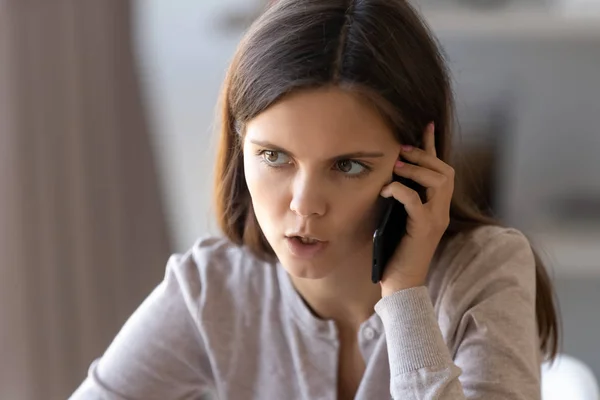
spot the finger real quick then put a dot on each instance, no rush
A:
(405, 195)
(423, 176)
(429, 139)
(422, 158)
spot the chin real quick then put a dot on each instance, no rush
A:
(306, 269)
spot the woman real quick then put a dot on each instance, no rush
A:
(322, 102)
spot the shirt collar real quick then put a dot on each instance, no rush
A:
(301, 311)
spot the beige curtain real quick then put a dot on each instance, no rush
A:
(82, 234)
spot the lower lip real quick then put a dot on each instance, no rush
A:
(304, 250)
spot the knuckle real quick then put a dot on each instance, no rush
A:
(451, 172)
(414, 197)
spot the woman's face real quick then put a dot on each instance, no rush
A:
(315, 163)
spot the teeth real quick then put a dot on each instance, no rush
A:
(308, 240)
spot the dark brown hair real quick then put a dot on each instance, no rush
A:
(380, 49)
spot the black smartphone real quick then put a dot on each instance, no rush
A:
(390, 229)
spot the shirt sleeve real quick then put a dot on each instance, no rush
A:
(480, 341)
(159, 352)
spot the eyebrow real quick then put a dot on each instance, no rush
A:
(357, 154)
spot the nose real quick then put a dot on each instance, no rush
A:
(308, 196)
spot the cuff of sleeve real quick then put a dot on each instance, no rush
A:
(414, 339)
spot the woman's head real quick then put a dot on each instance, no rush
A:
(324, 78)
(315, 163)
(312, 81)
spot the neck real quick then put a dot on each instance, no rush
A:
(346, 296)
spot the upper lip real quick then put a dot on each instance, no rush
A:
(306, 235)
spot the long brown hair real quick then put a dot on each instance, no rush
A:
(379, 48)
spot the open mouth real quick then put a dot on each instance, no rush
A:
(304, 247)
(305, 240)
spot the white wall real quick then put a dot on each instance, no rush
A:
(183, 57)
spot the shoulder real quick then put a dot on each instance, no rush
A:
(484, 243)
(486, 237)
(488, 256)
(231, 276)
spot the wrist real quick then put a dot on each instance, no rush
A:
(391, 286)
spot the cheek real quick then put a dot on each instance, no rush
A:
(252, 176)
(358, 213)
(257, 179)
(266, 191)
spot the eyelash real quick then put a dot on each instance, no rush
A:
(260, 153)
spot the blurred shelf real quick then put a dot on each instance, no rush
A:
(509, 22)
(515, 23)
(570, 252)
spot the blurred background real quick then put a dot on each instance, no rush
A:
(107, 122)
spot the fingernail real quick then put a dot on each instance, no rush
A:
(407, 147)
(399, 164)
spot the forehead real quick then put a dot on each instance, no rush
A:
(322, 121)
